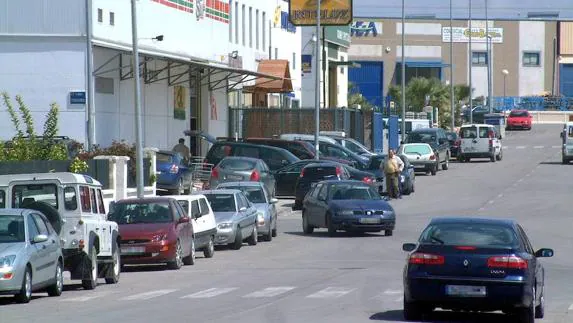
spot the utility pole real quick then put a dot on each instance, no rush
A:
(471, 67)
(317, 82)
(403, 66)
(489, 51)
(137, 100)
(452, 99)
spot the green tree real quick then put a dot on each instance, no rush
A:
(356, 98)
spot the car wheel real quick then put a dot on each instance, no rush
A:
(540, 309)
(499, 157)
(492, 158)
(434, 170)
(58, 286)
(388, 233)
(190, 260)
(269, 235)
(564, 161)
(527, 315)
(412, 311)
(238, 240)
(274, 231)
(177, 262)
(210, 249)
(446, 165)
(91, 282)
(330, 226)
(25, 294)
(254, 238)
(114, 269)
(306, 227)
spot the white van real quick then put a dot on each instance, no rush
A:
(567, 141)
(480, 141)
(203, 220)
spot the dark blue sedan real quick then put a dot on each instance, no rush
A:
(173, 173)
(477, 265)
(346, 205)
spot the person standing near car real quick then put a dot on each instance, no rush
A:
(182, 149)
(392, 167)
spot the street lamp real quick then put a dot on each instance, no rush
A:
(505, 73)
(137, 101)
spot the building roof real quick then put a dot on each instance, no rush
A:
(275, 67)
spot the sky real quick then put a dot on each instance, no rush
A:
(497, 9)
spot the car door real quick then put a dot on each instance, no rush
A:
(183, 228)
(321, 206)
(537, 267)
(40, 258)
(207, 218)
(309, 203)
(469, 139)
(53, 244)
(286, 177)
(266, 177)
(444, 145)
(242, 209)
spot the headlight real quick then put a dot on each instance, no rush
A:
(7, 261)
(225, 226)
(345, 212)
(159, 237)
(260, 218)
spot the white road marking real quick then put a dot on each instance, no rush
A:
(211, 292)
(269, 292)
(393, 291)
(490, 202)
(505, 147)
(481, 208)
(520, 180)
(87, 298)
(555, 147)
(520, 147)
(538, 147)
(148, 295)
(331, 292)
(500, 196)
(570, 307)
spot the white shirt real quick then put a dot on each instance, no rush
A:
(397, 161)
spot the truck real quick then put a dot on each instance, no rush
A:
(74, 205)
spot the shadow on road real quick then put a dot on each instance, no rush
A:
(552, 163)
(324, 234)
(444, 316)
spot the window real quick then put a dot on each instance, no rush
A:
(99, 15)
(85, 198)
(264, 29)
(222, 202)
(70, 198)
(137, 213)
(251, 27)
(94, 201)
(479, 58)
(195, 211)
(236, 18)
(179, 212)
(531, 59)
(32, 228)
(100, 202)
(293, 61)
(112, 18)
(243, 25)
(257, 29)
(231, 21)
(2, 200)
(276, 53)
(25, 194)
(204, 206)
(12, 229)
(470, 234)
(323, 193)
(41, 225)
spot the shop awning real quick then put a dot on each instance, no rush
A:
(280, 70)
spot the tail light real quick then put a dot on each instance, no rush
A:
(512, 262)
(367, 180)
(255, 176)
(174, 169)
(302, 173)
(338, 170)
(420, 258)
(465, 248)
(215, 173)
(433, 157)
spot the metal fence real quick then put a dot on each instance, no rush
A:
(534, 103)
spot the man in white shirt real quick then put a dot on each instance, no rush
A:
(392, 167)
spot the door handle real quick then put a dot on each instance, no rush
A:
(53, 241)
(43, 246)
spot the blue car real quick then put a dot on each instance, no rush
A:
(173, 174)
(474, 264)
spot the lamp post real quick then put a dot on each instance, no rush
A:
(403, 66)
(471, 67)
(453, 109)
(317, 82)
(489, 70)
(137, 100)
(505, 73)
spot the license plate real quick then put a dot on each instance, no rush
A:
(466, 291)
(234, 177)
(132, 250)
(369, 220)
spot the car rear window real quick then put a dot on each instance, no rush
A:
(519, 114)
(417, 149)
(320, 172)
(166, 158)
(237, 164)
(472, 132)
(424, 137)
(139, 213)
(470, 234)
(221, 202)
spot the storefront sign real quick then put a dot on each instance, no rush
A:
(332, 12)
(339, 35)
(366, 29)
(78, 97)
(180, 102)
(306, 61)
(213, 105)
(462, 35)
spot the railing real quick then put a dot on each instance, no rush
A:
(200, 172)
(534, 103)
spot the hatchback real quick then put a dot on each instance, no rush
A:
(233, 169)
(314, 173)
(519, 119)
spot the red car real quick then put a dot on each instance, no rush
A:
(154, 230)
(519, 119)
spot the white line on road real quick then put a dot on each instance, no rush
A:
(490, 202)
(148, 295)
(481, 208)
(393, 291)
(500, 196)
(520, 147)
(555, 147)
(505, 147)
(331, 292)
(520, 180)
(86, 298)
(269, 292)
(211, 292)
(570, 308)
(538, 147)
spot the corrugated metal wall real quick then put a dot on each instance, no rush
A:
(566, 38)
(368, 80)
(42, 17)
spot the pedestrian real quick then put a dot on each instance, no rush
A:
(182, 149)
(392, 167)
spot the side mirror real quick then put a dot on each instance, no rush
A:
(243, 209)
(40, 238)
(544, 253)
(184, 219)
(274, 201)
(408, 247)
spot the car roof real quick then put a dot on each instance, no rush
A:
(416, 144)
(222, 191)
(143, 200)
(13, 211)
(241, 158)
(346, 181)
(62, 177)
(322, 164)
(476, 125)
(241, 184)
(519, 110)
(426, 130)
(192, 197)
(236, 143)
(470, 220)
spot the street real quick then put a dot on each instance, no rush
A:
(347, 278)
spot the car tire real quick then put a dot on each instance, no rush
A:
(527, 315)
(210, 249)
(446, 165)
(306, 227)
(499, 157)
(413, 189)
(58, 286)
(114, 269)
(412, 311)
(564, 161)
(434, 170)
(269, 236)
(238, 240)
(388, 233)
(190, 259)
(177, 262)
(254, 238)
(492, 158)
(91, 282)
(540, 309)
(274, 231)
(330, 226)
(25, 294)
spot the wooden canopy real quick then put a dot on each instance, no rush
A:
(275, 67)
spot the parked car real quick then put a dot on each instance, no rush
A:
(30, 255)
(407, 176)
(236, 218)
(154, 230)
(437, 139)
(346, 205)
(173, 173)
(258, 195)
(331, 149)
(474, 264)
(233, 169)
(480, 141)
(314, 173)
(567, 142)
(350, 143)
(421, 156)
(455, 142)
(274, 157)
(519, 119)
(203, 221)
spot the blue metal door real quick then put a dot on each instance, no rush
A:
(377, 132)
(393, 132)
(566, 76)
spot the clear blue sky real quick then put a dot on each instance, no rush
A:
(497, 9)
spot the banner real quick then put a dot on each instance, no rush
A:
(180, 102)
(462, 35)
(306, 63)
(332, 12)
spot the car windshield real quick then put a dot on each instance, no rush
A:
(321, 172)
(375, 162)
(138, 213)
(355, 146)
(417, 149)
(237, 164)
(253, 193)
(23, 195)
(470, 234)
(352, 192)
(518, 114)
(11, 228)
(424, 137)
(222, 202)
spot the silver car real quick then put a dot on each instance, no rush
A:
(421, 156)
(234, 169)
(236, 218)
(30, 255)
(266, 209)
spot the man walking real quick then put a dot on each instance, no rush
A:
(182, 149)
(392, 167)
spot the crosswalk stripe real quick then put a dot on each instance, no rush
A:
(148, 295)
(211, 292)
(331, 292)
(555, 147)
(538, 147)
(520, 147)
(269, 292)
(86, 298)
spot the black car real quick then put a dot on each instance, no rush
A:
(455, 143)
(474, 264)
(407, 179)
(346, 205)
(313, 173)
(437, 139)
(274, 157)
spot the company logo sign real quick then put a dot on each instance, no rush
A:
(462, 35)
(366, 29)
(332, 12)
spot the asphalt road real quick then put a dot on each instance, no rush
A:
(298, 278)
